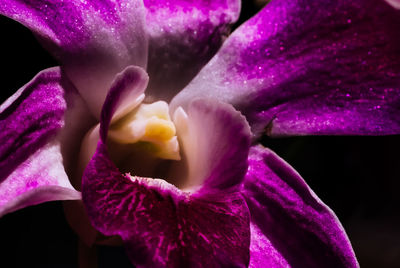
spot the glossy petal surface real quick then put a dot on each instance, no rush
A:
(290, 225)
(311, 67)
(93, 40)
(31, 163)
(161, 225)
(184, 35)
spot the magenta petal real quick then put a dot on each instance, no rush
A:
(93, 40)
(161, 225)
(311, 67)
(31, 163)
(290, 225)
(184, 35)
(126, 86)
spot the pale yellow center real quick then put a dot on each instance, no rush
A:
(150, 126)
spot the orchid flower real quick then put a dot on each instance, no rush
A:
(151, 123)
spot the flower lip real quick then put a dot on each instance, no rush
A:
(143, 210)
(213, 138)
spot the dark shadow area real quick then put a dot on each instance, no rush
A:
(358, 178)
(38, 236)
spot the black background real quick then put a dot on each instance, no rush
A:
(358, 177)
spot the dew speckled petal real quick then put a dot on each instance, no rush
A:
(31, 163)
(162, 226)
(291, 226)
(183, 36)
(93, 40)
(311, 67)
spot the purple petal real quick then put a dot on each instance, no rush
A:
(128, 84)
(184, 35)
(94, 40)
(311, 67)
(216, 144)
(161, 225)
(31, 163)
(290, 225)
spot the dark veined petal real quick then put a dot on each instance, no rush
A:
(93, 40)
(311, 67)
(184, 35)
(161, 225)
(291, 226)
(31, 162)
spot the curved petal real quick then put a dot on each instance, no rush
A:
(215, 140)
(161, 225)
(31, 163)
(93, 40)
(311, 67)
(184, 35)
(290, 225)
